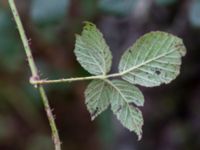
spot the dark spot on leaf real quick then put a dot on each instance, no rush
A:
(157, 72)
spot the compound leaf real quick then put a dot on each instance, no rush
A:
(97, 98)
(122, 98)
(91, 50)
(154, 59)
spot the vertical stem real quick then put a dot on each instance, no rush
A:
(35, 76)
(54, 130)
(23, 38)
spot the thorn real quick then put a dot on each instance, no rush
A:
(29, 41)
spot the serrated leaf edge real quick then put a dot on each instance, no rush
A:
(127, 103)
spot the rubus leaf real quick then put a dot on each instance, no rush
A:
(97, 97)
(122, 98)
(92, 51)
(154, 59)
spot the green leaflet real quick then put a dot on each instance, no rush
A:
(129, 92)
(121, 95)
(97, 97)
(122, 98)
(154, 59)
(92, 51)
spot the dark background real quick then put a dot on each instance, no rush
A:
(171, 112)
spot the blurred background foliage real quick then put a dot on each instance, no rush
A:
(171, 112)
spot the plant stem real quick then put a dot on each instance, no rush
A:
(35, 76)
(40, 82)
(54, 130)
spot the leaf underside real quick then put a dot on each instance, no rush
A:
(154, 59)
(96, 97)
(123, 96)
(92, 51)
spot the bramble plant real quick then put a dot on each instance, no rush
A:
(154, 59)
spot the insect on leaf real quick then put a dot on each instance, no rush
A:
(123, 96)
(96, 97)
(154, 59)
(91, 50)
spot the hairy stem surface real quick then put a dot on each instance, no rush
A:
(36, 81)
(35, 75)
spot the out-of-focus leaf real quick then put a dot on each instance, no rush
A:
(40, 142)
(48, 10)
(106, 130)
(6, 129)
(47, 15)
(118, 7)
(165, 2)
(11, 54)
(89, 8)
(20, 102)
(194, 14)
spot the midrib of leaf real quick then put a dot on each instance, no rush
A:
(125, 100)
(148, 61)
(104, 62)
(154, 44)
(102, 58)
(118, 90)
(104, 73)
(101, 90)
(102, 70)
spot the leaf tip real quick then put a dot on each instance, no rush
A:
(139, 137)
(88, 22)
(92, 118)
(88, 25)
